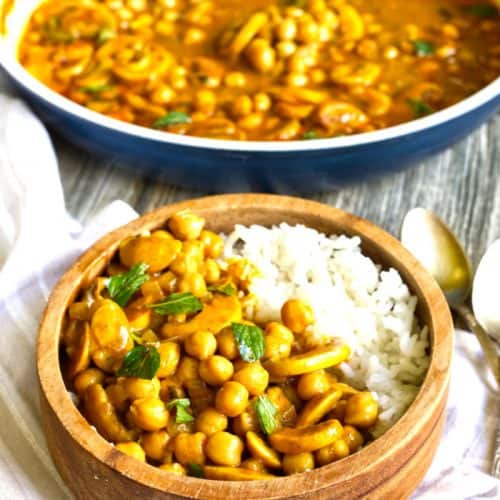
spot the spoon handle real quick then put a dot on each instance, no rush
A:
(489, 348)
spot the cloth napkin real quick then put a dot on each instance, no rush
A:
(39, 240)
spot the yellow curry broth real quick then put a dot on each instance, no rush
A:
(267, 69)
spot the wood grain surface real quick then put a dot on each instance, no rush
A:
(390, 467)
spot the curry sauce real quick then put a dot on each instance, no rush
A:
(266, 69)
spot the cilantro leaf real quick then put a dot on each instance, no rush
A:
(250, 340)
(266, 414)
(172, 118)
(196, 470)
(141, 362)
(423, 48)
(226, 289)
(182, 416)
(122, 286)
(309, 134)
(419, 108)
(178, 303)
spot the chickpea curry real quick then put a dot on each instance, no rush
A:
(265, 69)
(165, 364)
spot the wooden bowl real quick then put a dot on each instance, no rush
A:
(390, 467)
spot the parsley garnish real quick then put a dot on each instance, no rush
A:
(250, 340)
(172, 118)
(181, 414)
(141, 362)
(178, 303)
(309, 134)
(266, 414)
(122, 286)
(419, 108)
(196, 470)
(226, 289)
(423, 47)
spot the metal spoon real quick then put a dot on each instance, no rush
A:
(486, 291)
(439, 251)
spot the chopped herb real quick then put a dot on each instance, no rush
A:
(419, 108)
(96, 89)
(104, 35)
(182, 416)
(172, 118)
(484, 11)
(196, 470)
(226, 289)
(250, 340)
(178, 303)
(53, 31)
(423, 47)
(122, 286)
(141, 362)
(309, 134)
(136, 337)
(266, 414)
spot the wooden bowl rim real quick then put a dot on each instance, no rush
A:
(422, 410)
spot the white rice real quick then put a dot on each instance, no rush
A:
(353, 298)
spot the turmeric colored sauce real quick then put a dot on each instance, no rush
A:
(264, 69)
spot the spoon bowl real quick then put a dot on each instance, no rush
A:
(437, 248)
(485, 291)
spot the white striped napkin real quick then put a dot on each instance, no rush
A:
(38, 241)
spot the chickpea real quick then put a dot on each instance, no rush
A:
(314, 383)
(189, 448)
(242, 106)
(231, 399)
(254, 377)
(295, 80)
(251, 122)
(286, 29)
(307, 31)
(211, 272)
(205, 101)
(149, 414)
(335, 451)
(261, 55)
(279, 340)
(261, 102)
(224, 448)
(297, 315)
(86, 378)
(163, 95)
(210, 421)
(185, 225)
(213, 244)
(285, 49)
(194, 36)
(187, 369)
(297, 463)
(235, 79)
(170, 353)
(138, 388)
(117, 396)
(361, 410)
(155, 444)
(253, 464)
(132, 449)
(227, 345)
(216, 370)
(201, 344)
(353, 438)
(174, 468)
(194, 283)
